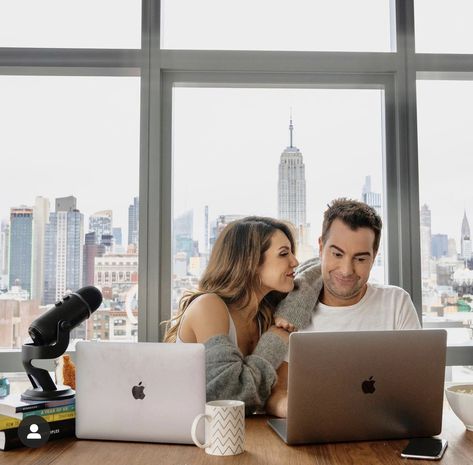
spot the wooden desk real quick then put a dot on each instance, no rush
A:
(262, 447)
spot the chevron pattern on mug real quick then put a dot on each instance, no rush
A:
(227, 431)
(224, 427)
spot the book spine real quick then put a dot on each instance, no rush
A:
(44, 405)
(50, 411)
(59, 416)
(8, 422)
(59, 429)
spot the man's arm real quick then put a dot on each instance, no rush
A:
(297, 307)
(277, 402)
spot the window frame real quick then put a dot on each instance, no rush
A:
(396, 72)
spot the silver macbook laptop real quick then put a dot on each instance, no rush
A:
(139, 391)
(367, 385)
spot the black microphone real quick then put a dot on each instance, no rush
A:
(72, 310)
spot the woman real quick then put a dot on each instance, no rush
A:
(250, 270)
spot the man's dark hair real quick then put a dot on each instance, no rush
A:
(354, 214)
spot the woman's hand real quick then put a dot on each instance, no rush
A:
(277, 402)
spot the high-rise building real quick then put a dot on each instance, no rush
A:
(91, 250)
(184, 224)
(4, 251)
(439, 245)
(117, 236)
(21, 247)
(373, 199)
(465, 239)
(63, 250)
(291, 185)
(40, 219)
(452, 247)
(101, 224)
(206, 230)
(133, 221)
(425, 240)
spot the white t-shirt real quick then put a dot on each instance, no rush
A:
(381, 308)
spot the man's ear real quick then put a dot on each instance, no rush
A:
(321, 246)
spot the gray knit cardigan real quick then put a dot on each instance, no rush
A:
(230, 375)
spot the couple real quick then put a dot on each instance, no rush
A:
(251, 297)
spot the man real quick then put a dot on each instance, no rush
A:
(333, 294)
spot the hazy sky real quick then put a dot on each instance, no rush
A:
(227, 146)
(66, 136)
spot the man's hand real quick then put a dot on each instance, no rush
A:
(282, 333)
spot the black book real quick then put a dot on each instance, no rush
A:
(59, 429)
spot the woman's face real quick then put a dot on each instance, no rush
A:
(277, 270)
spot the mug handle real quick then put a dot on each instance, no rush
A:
(194, 428)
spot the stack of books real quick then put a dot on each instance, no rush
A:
(60, 414)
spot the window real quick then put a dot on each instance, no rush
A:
(338, 25)
(443, 26)
(443, 109)
(71, 24)
(228, 145)
(77, 129)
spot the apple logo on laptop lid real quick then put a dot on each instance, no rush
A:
(367, 386)
(137, 391)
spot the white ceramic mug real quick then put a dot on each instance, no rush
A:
(224, 427)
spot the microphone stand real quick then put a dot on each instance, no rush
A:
(44, 387)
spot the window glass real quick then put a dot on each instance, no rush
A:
(304, 25)
(229, 149)
(443, 26)
(446, 206)
(70, 23)
(68, 211)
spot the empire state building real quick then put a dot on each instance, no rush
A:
(291, 185)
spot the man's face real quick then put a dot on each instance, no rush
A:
(347, 257)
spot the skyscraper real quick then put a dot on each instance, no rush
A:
(373, 199)
(465, 239)
(425, 240)
(40, 219)
(133, 221)
(101, 224)
(183, 227)
(117, 236)
(63, 250)
(206, 230)
(439, 245)
(91, 250)
(21, 247)
(291, 185)
(4, 251)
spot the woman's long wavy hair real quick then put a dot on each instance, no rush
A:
(232, 271)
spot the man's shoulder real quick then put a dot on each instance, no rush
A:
(387, 290)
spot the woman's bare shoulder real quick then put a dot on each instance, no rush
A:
(207, 316)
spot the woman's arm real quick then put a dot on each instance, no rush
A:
(296, 308)
(277, 402)
(230, 375)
